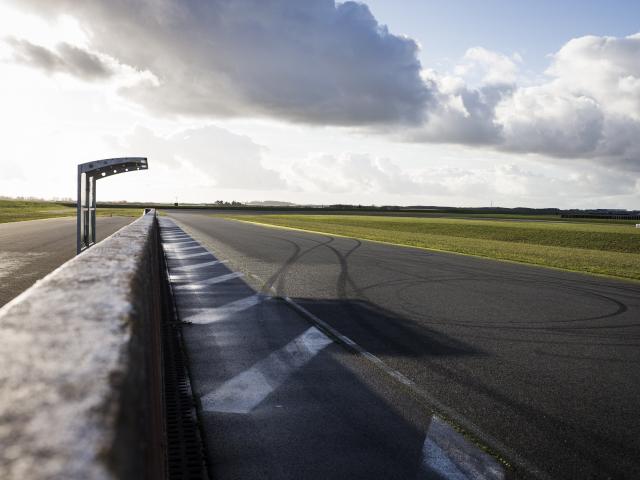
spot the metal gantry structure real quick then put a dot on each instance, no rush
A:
(88, 174)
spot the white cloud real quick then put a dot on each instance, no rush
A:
(367, 176)
(214, 156)
(460, 114)
(547, 120)
(588, 107)
(351, 173)
(488, 67)
(604, 68)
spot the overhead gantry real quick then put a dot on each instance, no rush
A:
(88, 174)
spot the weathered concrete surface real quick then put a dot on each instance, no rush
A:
(78, 356)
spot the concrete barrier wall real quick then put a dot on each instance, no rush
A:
(80, 366)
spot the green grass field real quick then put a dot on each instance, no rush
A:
(20, 210)
(600, 248)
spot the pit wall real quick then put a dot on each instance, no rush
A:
(80, 366)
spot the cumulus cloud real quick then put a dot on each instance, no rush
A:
(547, 121)
(605, 68)
(488, 67)
(217, 156)
(590, 108)
(461, 114)
(587, 108)
(314, 61)
(65, 58)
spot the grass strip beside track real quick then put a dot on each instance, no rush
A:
(19, 210)
(604, 249)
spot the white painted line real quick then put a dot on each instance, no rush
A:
(447, 453)
(165, 245)
(247, 390)
(203, 316)
(201, 284)
(350, 343)
(434, 460)
(181, 249)
(469, 426)
(191, 276)
(189, 255)
(197, 266)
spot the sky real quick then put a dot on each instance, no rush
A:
(397, 102)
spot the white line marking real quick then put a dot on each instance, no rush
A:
(191, 276)
(435, 460)
(165, 245)
(181, 249)
(203, 316)
(197, 266)
(437, 404)
(350, 343)
(247, 390)
(199, 285)
(450, 455)
(174, 256)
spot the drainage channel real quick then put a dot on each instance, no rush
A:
(185, 448)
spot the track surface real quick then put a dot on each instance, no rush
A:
(281, 399)
(30, 250)
(546, 362)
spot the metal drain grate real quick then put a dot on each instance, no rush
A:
(185, 452)
(185, 448)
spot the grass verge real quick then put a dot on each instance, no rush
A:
(19, 210)
(605, 249)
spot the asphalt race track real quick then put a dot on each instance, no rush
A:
(542, 366)
(279, 398)
(30, 250)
